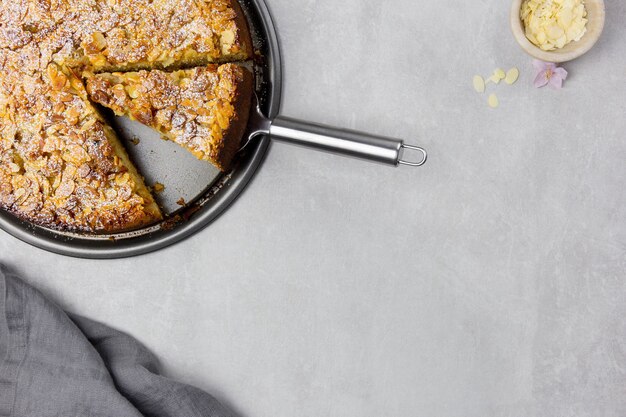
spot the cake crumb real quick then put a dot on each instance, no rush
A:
(158, 188)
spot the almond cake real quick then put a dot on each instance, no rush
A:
(61, 165)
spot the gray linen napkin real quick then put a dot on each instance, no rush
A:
(53, 364)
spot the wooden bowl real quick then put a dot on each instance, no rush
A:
(596, 15)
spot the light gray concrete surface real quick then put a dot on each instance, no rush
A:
(492, 282)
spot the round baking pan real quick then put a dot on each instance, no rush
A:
(193, 192)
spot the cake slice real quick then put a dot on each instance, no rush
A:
(130, 35)
(61, 166)
(204, 109)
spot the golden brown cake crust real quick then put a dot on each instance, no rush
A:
(234, 135)
(60, 164)
(204, 109)
(244, 37)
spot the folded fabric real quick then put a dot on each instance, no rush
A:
(55, 364)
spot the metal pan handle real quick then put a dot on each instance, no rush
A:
(345, 142)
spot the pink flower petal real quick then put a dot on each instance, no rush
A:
(556, 81)
(560, 72)
(541, 80)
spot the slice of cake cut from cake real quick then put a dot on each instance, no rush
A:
(61, 166)
(130, 35)
(204, 109)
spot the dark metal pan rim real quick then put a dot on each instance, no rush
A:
(208, 206)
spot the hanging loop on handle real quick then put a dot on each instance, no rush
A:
(422, 151)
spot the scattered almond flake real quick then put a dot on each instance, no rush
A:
(495, 79)
(135, 140)
(511, 76)
(493, 101)
(158, 188)
(479, 84)
(181, 202)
